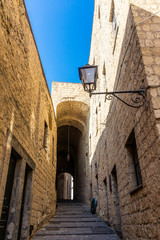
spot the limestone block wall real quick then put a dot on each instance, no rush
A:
(66, 91)
(25, 109)
(131, 61)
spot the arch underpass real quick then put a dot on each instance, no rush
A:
(65, 186)
(72, 139)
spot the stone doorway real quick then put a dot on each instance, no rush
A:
(7, 197)
(23, 231)
(17, 193)
(117, 216)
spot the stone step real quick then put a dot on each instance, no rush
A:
(82, 214)
(74, 215)
(75, 222)
(74, 219)
(75, 231)
(79, 237)
(77, 211)
(73, 209)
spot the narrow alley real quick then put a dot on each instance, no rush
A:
(97, 136)
(75, 222)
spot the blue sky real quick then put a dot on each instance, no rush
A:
(62, 30)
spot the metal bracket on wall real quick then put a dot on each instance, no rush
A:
(138, 98)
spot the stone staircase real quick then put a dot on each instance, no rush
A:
(73, 221)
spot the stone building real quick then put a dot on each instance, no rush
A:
(124, 142)
(28, 130)
(67, 145)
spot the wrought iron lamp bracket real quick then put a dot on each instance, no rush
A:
(138, 98)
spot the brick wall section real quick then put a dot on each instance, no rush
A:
(132, 64)
(25, 105)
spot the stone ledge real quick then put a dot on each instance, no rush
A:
(136, 189)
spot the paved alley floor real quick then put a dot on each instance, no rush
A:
(75, 222)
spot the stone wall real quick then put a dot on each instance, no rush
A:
(72, 109)
(110, 133)
(26, 108)
(126, 62)
(66, 91)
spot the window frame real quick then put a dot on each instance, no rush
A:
(113, 20)
(45, 137)
(114, 24)
(134, 170)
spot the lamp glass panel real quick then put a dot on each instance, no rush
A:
(88, 75)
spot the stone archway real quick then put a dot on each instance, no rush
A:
(63, 164)
(65, 186)
(72, 108)
(73, 116)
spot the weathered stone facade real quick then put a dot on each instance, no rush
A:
(28, 131)
(110, 149)
(127, 58)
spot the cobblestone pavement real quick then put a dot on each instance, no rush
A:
(75, 222)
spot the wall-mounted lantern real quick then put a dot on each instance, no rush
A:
(88, 76)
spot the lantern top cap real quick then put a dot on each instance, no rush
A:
(88, 66)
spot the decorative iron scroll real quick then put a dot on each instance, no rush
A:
(138, 98)
(109, 97)
(89, 88)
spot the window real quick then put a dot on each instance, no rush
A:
(114, 22)
(50, 120)
(45, 140)
(90, 149)
(97, 183)
(106, 197)
(105, 190)
(53, 150)
(96, 168)
(110, 183)
(99, 12)
(104, 69)
(115, 195)
(96, 121)
(133, 162)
